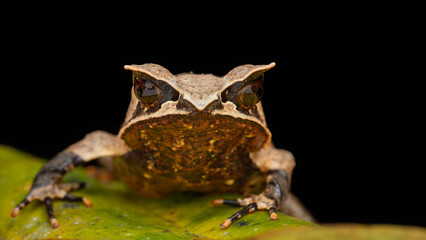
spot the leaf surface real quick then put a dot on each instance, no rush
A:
(120, 214)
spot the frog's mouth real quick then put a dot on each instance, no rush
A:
(197, 134)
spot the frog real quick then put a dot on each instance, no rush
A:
(189, 133)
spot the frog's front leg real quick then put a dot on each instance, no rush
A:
(47, 185)
(279, 164)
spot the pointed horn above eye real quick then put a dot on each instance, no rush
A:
(244, 71)
(154, 70)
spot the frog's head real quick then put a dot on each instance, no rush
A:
(158, 96)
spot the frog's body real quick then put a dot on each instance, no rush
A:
(195, 132)
(197, 153)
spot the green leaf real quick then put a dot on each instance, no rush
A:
(117, 213)
(348, 232)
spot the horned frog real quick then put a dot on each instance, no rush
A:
(186, 132)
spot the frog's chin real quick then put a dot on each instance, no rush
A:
(224, 112)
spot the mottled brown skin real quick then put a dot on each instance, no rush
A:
(186, 132)
(202, 153)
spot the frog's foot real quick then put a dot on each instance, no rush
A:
(271, 199)
(250, 204)
(46, 194)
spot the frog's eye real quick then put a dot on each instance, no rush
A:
(250, 94)
(146, 91)
(245, 94)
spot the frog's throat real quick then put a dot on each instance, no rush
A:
(174, 130)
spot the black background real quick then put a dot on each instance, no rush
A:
(336, 98)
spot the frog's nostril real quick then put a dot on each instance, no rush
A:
(217, 104)
(185, 105)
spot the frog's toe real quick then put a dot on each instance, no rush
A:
(258, 202)
(84, 200)
(68, 197)
(239, 214)
(19, 207)
(49, 209)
